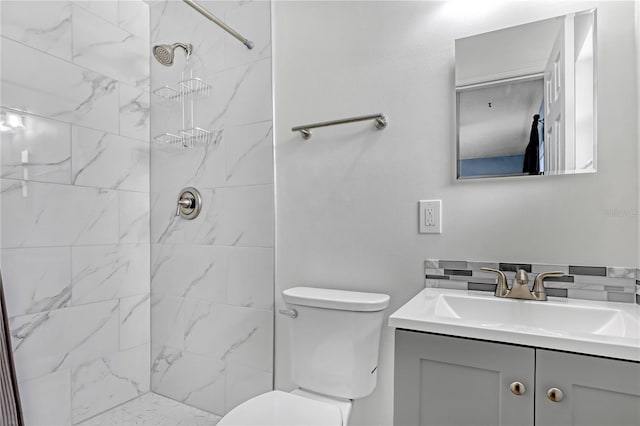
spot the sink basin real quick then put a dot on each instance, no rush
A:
(537, 315)
(591, 327)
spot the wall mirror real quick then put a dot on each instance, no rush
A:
(526, 99)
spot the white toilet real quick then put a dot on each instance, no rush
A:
(335, 336)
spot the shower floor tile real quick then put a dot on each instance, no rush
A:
(153, 410)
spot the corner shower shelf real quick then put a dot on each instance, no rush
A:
(191, 87)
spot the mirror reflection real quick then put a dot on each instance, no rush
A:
(525, 99)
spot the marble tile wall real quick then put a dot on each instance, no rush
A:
(212, 277)
(75, 251)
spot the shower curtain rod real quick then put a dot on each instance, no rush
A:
(204, 12)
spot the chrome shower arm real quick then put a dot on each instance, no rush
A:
(187, 47)
(204, 12)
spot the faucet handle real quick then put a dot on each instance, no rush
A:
(502, 289)
(539, 292)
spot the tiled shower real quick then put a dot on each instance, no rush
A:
(212, 277)
(110, 295)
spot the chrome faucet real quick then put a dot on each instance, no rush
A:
(520, 287)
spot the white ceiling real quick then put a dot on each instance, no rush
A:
(502, 129)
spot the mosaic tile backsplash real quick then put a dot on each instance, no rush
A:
(638, 286)
(607, 283)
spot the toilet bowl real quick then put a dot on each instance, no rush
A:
(335, 338)
(277, 408)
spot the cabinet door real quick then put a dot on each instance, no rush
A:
(443, 381)
(596, 391)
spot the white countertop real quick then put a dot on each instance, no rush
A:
(608, 329)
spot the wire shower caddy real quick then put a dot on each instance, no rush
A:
(187, 92)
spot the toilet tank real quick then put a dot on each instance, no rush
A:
(335, 340)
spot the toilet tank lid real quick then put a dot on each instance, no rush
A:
(336, 299)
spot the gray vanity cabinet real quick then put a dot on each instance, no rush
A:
(448, 381)
(452, 381)
(595, 391)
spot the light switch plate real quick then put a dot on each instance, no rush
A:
(430, 216)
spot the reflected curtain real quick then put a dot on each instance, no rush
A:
(10, 409)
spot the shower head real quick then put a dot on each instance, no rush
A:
(164, 53)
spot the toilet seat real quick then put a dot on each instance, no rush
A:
(277, 408)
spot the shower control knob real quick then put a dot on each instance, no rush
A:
(189, 203)
(186, 203)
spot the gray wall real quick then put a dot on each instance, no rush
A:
(637, 211)
(347, 198)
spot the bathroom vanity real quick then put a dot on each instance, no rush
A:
(503, 364)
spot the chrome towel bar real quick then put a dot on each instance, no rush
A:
(380, 123)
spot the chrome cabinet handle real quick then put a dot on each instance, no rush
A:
(517, 388)
(555, 394)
